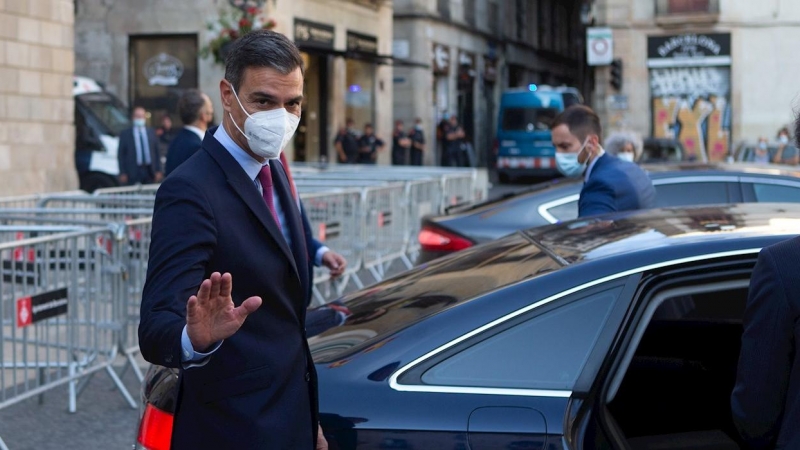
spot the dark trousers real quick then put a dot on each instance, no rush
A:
(416, 157)
(144, 175)
(399, 156)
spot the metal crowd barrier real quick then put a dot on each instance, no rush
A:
(59, 315)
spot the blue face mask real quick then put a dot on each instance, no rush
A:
(568, 165)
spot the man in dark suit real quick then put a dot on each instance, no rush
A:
(766, 399)
(610, 184)
(196, 111)
(139, 161)
(247, 379)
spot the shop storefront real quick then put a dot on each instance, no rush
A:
(690, 88)
(161, 68)
(316, 43)
(361, 57)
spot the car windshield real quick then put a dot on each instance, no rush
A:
(528, 119)
(400, 302)
(107, 111)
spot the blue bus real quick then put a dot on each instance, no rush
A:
(523, 146)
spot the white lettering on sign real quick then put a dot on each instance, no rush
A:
(163, 70)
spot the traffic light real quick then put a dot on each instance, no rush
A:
(616, 74)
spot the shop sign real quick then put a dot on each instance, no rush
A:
(314, 35)
(163, 70)
(362, 43)
(689, 50)
(441, 59)
(599, 46)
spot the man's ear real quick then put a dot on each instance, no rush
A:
(226, 95)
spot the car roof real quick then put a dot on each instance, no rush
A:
(656, 172)
(653, 231)
(574, 252)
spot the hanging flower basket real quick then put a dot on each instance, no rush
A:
(236, 19)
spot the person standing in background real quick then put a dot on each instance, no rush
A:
(138, 157)
(197, 112)
(400, 145)
(369, 145)
(624, 146)
(417, 143)
(610, 184)
(166, 133)
(346, 143)
(787, 153)
(454, 138)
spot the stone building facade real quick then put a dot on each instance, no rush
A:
(710, 73)
(349, 73)
(36, 108)
(457, 56)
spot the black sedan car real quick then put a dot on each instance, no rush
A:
(621, 331)
(557, 201)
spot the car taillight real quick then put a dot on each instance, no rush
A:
(436, 240)
(155, 431)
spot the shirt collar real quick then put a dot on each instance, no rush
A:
(250, 165)
(591, 164)
(200, 133)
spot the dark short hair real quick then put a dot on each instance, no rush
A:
(261, 48)
(368, 125)
(581, 121)
(189, 106)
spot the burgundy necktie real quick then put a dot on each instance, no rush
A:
(265, 177)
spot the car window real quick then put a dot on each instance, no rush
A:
(685, 194)
(776, 193)
(567, 211)
(528, 119)
(545, 352)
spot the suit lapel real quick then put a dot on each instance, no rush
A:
(291, 213)
(246, 189)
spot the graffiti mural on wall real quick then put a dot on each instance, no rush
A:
(690, 84)
(692, 104)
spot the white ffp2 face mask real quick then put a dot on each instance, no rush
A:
(267, 132)
(625, 156)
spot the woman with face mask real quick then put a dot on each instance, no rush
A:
(787, 153)
(624, 146)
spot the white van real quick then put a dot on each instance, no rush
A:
(99, 119)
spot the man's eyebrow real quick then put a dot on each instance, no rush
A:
(298, 99)
(263, 96)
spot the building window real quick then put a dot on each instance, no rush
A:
(359, 99)
(688, 6)
(520, 20)
(444, 9)
(469, 12)
(666, 7)
(494, 16)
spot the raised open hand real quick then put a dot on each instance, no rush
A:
(211, 315)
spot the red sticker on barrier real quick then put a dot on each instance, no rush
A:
(380, 220)
(322, 230)
(24, 313)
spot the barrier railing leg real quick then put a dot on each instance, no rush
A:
(135, 367)
(71, 388)
(3, 445)
(121, 387)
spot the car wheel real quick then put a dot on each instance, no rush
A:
(504, 177)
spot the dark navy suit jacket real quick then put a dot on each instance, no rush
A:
(258, 389)
(126, 154)
(766, 400)
(615, 185)
(183, 146)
